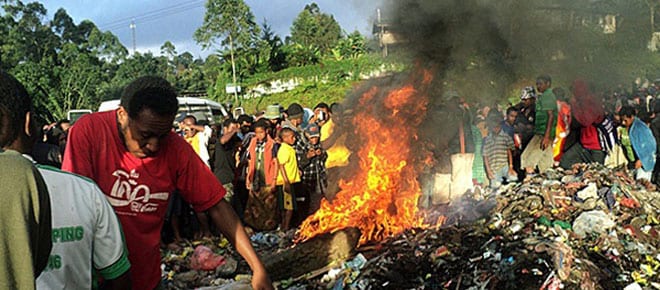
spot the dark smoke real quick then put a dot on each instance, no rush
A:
(487, 49)
(461, 42)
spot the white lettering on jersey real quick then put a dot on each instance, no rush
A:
(127, 191)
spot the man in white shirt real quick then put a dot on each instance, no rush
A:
(85, 228)
(86, 233)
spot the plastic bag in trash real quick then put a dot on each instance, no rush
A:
(591, 191)
(357, 263)
(204, 259)
(595, 221)
(633, 286)
(266, 239)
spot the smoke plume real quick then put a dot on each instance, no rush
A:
(488, 50)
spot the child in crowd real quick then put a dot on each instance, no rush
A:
(288, 177)
(261, 213)
(498, 157)
(314, 175)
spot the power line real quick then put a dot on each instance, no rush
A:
(116, 21)
(150, 17)
(155, 14)
(145, 20)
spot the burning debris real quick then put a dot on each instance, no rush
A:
(591, 227)
(381, 198)
(587, 228)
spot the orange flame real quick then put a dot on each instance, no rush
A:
(381, 199)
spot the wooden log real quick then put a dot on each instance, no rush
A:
(313, 254)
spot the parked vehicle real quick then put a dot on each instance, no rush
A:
(74, 115)
(204, 110)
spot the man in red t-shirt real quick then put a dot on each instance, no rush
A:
(136, 159)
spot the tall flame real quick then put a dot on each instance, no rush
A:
(381, 199)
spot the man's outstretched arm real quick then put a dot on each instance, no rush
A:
(227, 221)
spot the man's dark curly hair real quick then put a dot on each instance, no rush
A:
(15, 102)
(149, 92)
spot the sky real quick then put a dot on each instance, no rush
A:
(157, 21)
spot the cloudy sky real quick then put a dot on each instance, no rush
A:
(176, 20)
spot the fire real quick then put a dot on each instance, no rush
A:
(381, 198)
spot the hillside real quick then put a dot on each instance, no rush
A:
(328, 81)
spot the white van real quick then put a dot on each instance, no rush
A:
(203, 109)
(74, 115)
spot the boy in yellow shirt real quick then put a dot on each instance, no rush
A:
(288, 176)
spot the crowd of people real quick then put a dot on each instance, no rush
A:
(551, 127)
(95, 196)
(272, 165)
(105, 195)
(99, 218)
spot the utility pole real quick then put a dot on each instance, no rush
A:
(233, 68)
(381, 33)
(132, 26)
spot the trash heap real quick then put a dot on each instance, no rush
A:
(587, 228)
(199, 263)
(213, 264)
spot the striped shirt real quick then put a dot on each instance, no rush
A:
(495, 149)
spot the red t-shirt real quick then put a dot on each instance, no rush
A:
(139, 189)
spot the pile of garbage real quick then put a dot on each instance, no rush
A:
(213, 264)
(587, 228)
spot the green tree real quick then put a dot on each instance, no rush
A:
(190, 73)
(213, 72)
(64, 65)
(168, 51)
(106, 46)
(653, 6)
(76, 77)
(136, 66)
(27, 37)
(276, 53)
(228, 23)
(353, 46)
(133, 67)
(302, 55)
(186, 60)
(314, 28)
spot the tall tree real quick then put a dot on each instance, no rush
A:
(106, 46)
(28, 38)
(168, 51)
(77, 76)
(277, 56)
(232, 24)
(314, 28)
